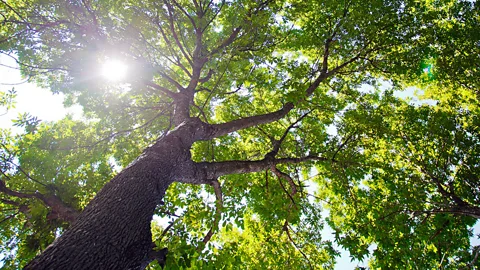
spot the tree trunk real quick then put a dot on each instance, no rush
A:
(113, 231)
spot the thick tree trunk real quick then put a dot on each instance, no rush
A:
(113, 232)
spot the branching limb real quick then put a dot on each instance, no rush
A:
(281, 175)
(162, 89)
(278, 143)
(170, 47)
(57, 206)
(213, 170)
(235, 125)
(226, 128)
(227, 41)
(475, 254)
(174, 33)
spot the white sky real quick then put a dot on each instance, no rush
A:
(30, 98)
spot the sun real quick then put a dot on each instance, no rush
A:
(114, 70)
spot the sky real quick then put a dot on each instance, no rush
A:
(46, 106)
(30, 98)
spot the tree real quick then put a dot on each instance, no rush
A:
(219, 89)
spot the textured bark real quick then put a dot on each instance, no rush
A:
(113, 232)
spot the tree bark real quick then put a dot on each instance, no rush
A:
(113, 231)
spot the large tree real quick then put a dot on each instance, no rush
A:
(265, 107)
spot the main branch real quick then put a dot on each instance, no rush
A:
(205, 172)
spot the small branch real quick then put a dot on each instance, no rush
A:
(475, 213)
(9, 202)
(164, 232)
(439, 230)
(156, 21)
(16, 166)
(358, 56)
(475, 253)
(218, 212)
(174, 33)
(277, 144)
(292, 203)
(342, 145)
(171, 80)
(214, 16)
(115, 134)
(192, 21)
(227, 41)
(285, 228)
(207, 77)
(201, 112)
(9, 217)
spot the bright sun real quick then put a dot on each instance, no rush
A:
(114, 70)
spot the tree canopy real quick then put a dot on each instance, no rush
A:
(268, 120)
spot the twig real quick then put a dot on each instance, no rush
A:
(285, 228)
(218, 212)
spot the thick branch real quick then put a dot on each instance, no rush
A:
(164, 90)
(226, 128)
(213, 170)
(58, 207)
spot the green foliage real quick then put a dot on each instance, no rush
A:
(411, 178)
(53, 160)
(7, 99)
(396, 178)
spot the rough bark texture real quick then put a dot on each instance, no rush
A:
(113, 232)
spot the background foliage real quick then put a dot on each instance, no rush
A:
(397, 181)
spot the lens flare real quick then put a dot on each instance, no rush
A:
(114, 70)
